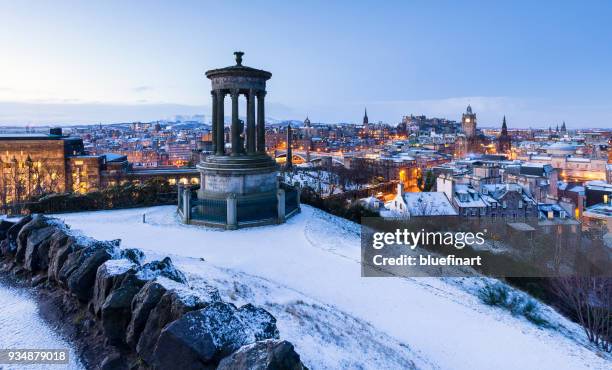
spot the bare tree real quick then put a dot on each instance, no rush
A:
(590, 300)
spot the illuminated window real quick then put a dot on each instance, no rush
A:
(172, 181)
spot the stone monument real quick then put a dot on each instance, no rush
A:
(239, 182)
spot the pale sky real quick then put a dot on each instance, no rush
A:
(537, 62)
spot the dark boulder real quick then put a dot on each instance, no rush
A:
(109, 275)
(38, 279)
(74, 259)
(4, 228)
(80, 272)
(142, 304)
(37, 248)
(37, 222)
(134, 255)
(260, 322)
(201, 338)
(61, 247)
(117, 309)
(163, 268)
(14, 230)
(82, 249)
(177, 301)
(6, 248)
(114, 361)
(271, 354)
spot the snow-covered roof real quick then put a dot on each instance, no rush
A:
(371, 201)
(561, 146)
(601, 210)
(599, 185)
(429, 204)
(468, 197)
(578, 159)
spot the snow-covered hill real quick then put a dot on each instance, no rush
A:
(307, 273)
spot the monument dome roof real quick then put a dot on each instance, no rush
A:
(238, 70)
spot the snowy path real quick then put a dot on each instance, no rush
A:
(22, 327)
(307, 273)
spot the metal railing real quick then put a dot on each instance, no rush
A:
(212, 210)
(236, 210)
(291, 200)
(256, 209)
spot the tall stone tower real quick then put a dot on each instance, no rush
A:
(563, 129)
(504, 142)
(366, 124)
(468, 123)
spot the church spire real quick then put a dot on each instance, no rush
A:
(504, 141)
(365, 117)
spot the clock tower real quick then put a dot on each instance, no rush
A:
(468, 123)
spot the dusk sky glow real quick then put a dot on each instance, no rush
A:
(537, 62)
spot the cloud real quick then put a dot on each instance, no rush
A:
(141, 89)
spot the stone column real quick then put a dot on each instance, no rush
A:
(232, 212)
(214, 121)
(186, 204)
(280, 198)
(179, 196)
(261, 129)
(220, 121)
(235, 124)
(250, 134)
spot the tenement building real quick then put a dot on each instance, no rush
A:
(239, 183)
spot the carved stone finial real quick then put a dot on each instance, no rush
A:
(238, 55)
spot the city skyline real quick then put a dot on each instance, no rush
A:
(537, 64)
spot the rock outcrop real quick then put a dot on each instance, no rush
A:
(146, 311)
(203, 337)
(263, 355)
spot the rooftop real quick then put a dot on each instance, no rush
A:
(600, 210)
(34, 136)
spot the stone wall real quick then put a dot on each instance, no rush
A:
(146, 314)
